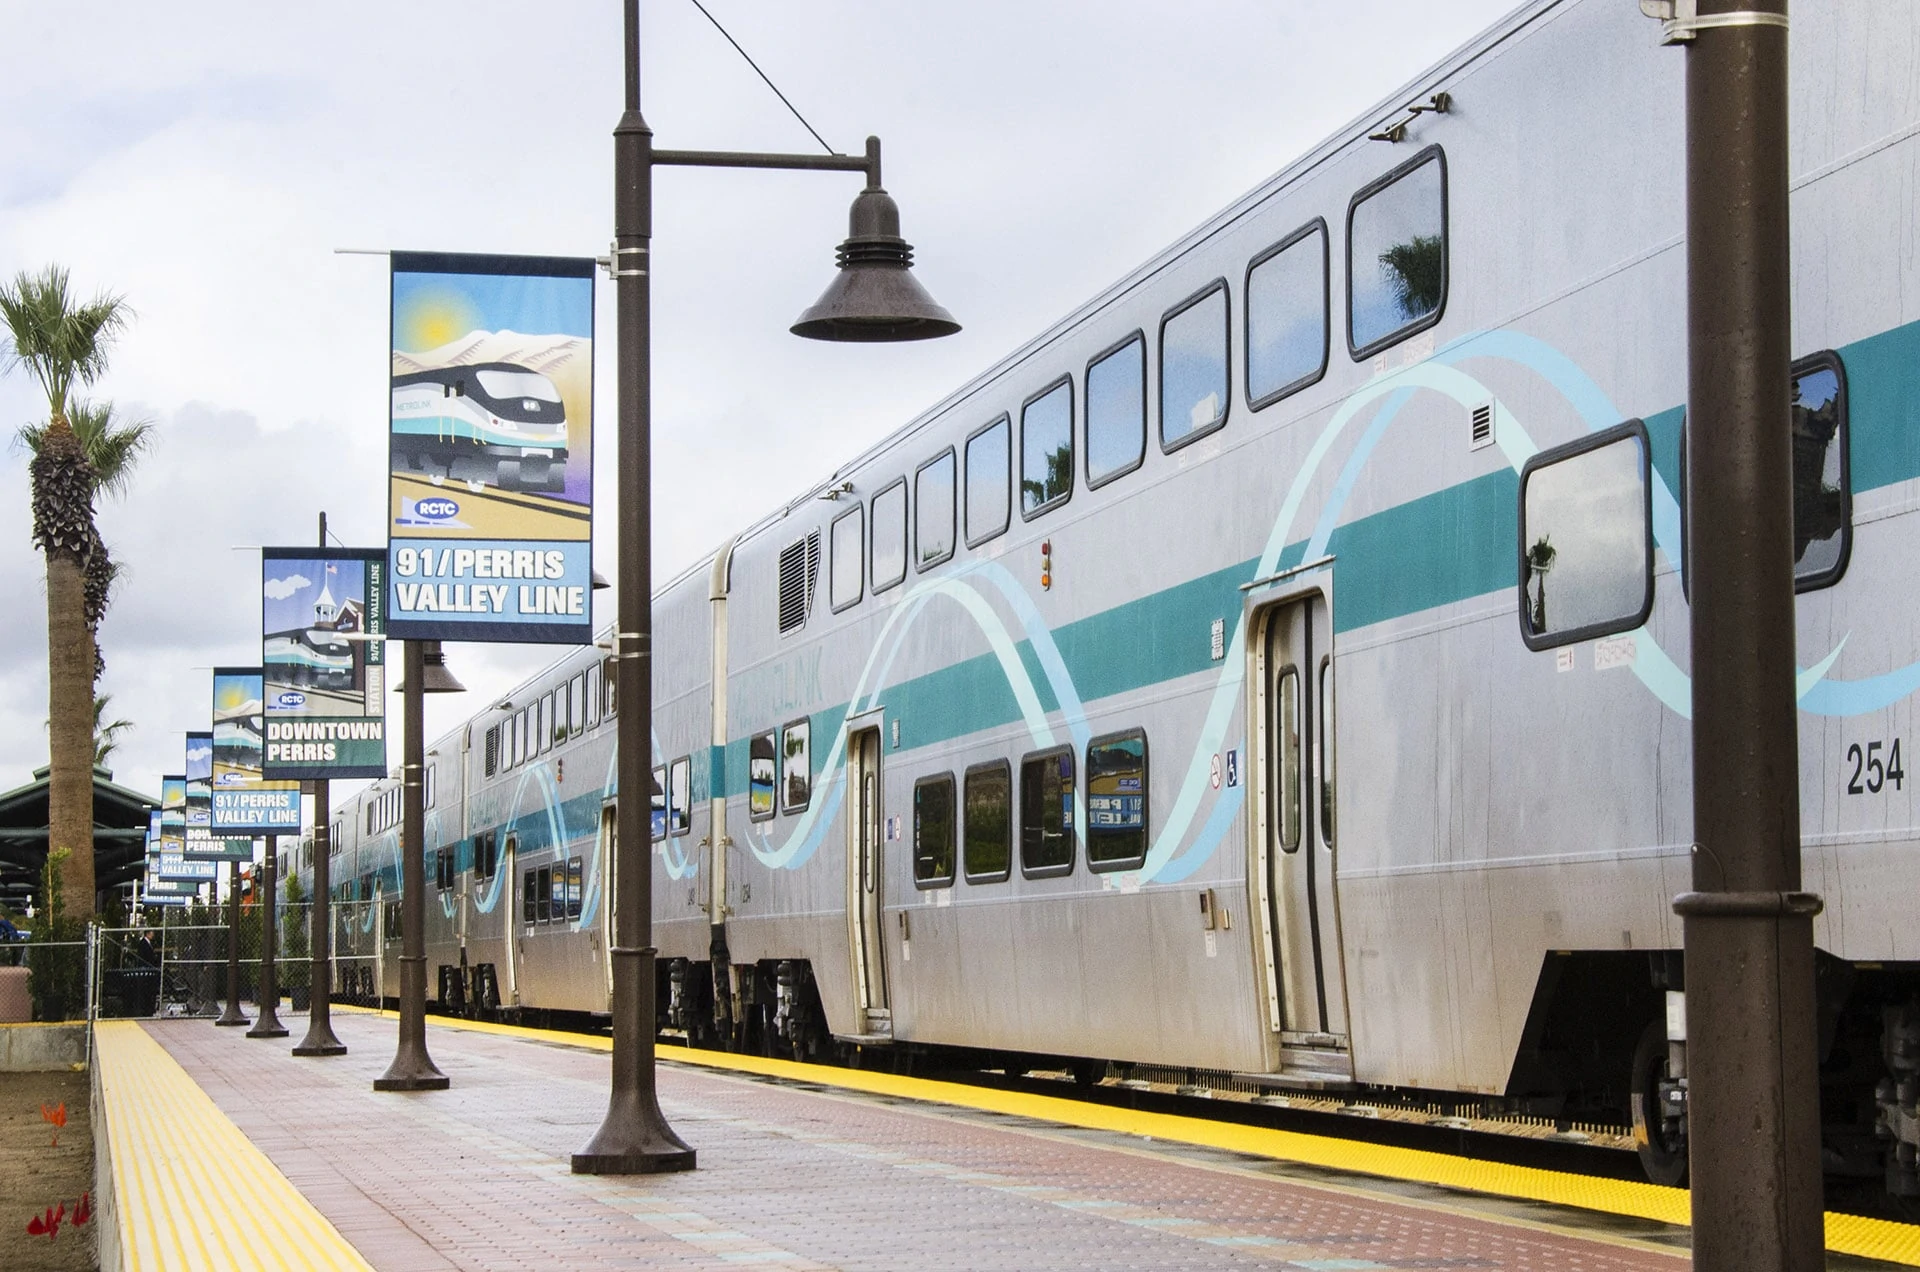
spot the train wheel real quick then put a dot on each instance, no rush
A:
(1663, 1153)
(508, 475)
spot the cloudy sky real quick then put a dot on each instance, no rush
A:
(205, 160)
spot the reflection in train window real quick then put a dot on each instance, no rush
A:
(1117, 801)
(611, 679)
(1046, 450)
(933, 831)
(1586, 550)
(761, 777)
(933, 511)
(843, 587)
(596, 693)
(1046, 813)
(988, 508)
(659, 804)
(486, 858)
(530, 897)
(1193, 368)
(889, 509)
(988, 822)
(1397, 254)
(1117, 410)
(574, 888)
(577, 705)
(680, 796)
(796, 767)
(1287, 316)
(557, 892)
(1822, 486)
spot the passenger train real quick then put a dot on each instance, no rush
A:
(1279, 667)
(490, 423)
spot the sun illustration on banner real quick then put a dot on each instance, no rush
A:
(430, 317)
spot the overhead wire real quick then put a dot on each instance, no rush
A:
(763, 76)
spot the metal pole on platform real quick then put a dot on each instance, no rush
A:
(412, 1068)
(320, 1040)
(1753, 1094)
(269, 1025)
(232, 1016)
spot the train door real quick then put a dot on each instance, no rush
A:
(865, 833)
(609, 891)
(509, 862)
(1307, 984)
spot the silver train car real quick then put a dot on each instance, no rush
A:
(1279, 667)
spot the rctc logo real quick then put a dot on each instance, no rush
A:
(436, 509)
(290, 700)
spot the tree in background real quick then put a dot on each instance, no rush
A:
(63, 345)
(106, 733)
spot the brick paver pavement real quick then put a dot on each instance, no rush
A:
(477, 1177)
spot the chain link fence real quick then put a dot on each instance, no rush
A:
(177, 965)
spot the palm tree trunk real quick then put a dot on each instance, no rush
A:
(70, 715)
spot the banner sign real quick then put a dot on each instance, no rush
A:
(201, 844)
(490, 498)
(324, 685)
(243, 804)
(158, 890)
(173, 814)
(171, 867)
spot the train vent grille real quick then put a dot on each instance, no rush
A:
(799, 571)
(493, 750)
(1482, 433)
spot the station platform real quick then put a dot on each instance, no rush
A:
(228, 1152)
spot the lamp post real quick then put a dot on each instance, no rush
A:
(320, 1039)
(232, 1015)
(872, 299)
(412, 1068)
(269, 1025)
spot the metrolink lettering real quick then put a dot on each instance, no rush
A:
(489, 598)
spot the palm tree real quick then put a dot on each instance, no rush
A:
(63, 345)
(106, 733)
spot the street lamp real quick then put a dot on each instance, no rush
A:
(872, 299)
(412, 1068)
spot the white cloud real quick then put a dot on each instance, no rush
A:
(281, 589)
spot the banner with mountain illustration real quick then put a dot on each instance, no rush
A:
(490, 493)
(203, 844)
(323, 663)
(244, 803)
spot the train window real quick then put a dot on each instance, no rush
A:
(596, 694)
(1324, 715)
(443, 869)
(1193, 367)
(577, 705)
(485, 859)
(988, 822)
(545, 894)
(796, 769)
(1046, 813)
(680, 796)
(432, 786)
(530, 898)
(519, 738)
(933, 511)
(659, 804)
(557, 892)
(1397, 254)
(1286, 724)
(988, 456)
(933, 832)
(889, 561)
(1286, 300)
(1046, 449)
(762, 777)
(1117, 410)
(843, 587)
(574, 878)
(547, 717)
(491, 749)
(799, 573)
(1117, 801)
(610, 679)
(1586, 538)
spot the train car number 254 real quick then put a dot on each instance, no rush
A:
(1872, 772)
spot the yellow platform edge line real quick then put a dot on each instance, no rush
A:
(1845, 1234)
(191, 1191)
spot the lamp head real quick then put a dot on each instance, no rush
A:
(436, 677)
(874, 298)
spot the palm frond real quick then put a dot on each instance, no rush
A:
(61, 343)
(112, 446)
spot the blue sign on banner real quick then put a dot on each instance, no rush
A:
(490, 494)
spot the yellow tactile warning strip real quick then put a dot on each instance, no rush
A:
(1846, 1234)
(191, 1192)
